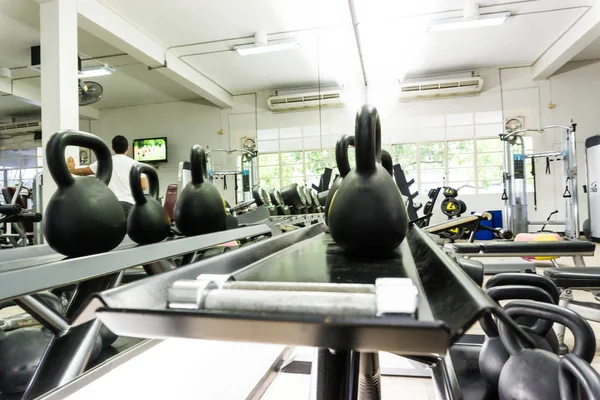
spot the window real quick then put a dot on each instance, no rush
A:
(474, 166)
(20, 166)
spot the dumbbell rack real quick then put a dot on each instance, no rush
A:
(37, 268)
(448, 303)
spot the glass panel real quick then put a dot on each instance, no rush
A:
(269, 176)
(313, 180)
(40, 161)
(28, 173)
(487, 145)
(288, 171)
(490, 186)
(489, 159)
(460, 147)
(432, 155)
(267, 134)
(10, 163)
(490, 174)
(316, 161)
(268, 145)
(39, 152)
(434, 175)
(11, 154)
(28, 162)
(268, 159)
(28, 152)
(12, 174)
(461, 175)
(459, 160)
(463, 188)
(291, 158)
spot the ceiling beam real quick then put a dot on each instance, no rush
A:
(192, 79)
(32, 95)
(106, 24)
(577, 38)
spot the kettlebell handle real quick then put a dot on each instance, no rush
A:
(585, 343)
(575, 372)
(55, 155)
(367, 137)
(512, 292)
(198, 162)
(341, 154)
(135, 182)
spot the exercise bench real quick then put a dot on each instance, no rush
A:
(579, 278)
(576, 249)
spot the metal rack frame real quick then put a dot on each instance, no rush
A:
(69, 350)
(449, 303)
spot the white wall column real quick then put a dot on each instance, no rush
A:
(60, 101)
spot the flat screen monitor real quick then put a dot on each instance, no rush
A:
(150, 150)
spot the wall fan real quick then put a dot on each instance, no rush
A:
(89, 92)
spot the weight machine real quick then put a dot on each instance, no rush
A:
(515, 182)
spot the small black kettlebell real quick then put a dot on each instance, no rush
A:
(343, 165)
(83, 216)
(200, 208)
(387, 162)
(532, 373)
(367, 214)
(148, 221)
(493, 355)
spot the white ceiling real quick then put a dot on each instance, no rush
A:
(393, 37)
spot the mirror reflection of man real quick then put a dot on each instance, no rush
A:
(119, 181)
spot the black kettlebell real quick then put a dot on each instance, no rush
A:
(367, 214)
(509, 278)
(148, 221)
(200, 208)
(387, 162)
(83, 216)
(533, 373)
(493, 355)
(577, 379)
(343, 165)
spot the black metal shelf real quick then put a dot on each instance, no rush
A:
(46, 269)
(449, 301)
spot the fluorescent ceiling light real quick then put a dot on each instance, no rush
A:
(454, 24)
(272, 46)
(99, 70)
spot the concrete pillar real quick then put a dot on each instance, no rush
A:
(60, 101)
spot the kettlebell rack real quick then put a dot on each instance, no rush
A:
(24, 271)
(447, 303)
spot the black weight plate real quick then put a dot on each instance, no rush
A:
(450, 207)
(450, 192)
(454, 234)
(463, 206)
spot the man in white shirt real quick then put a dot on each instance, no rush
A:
(119, 181)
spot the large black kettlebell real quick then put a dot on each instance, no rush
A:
(343, 165)
(493, 355)
(148, 221)
(367, 214)
(577, 379)
(533, 373)
(83, 216)
(200, 208)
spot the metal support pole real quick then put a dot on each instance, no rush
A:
(44, 314)
(570, 178)
(334, 375)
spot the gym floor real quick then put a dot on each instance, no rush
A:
(233, 369)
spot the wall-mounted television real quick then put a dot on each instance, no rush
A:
(150, 150)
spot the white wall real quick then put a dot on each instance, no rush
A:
(183, 123)
(507, 93)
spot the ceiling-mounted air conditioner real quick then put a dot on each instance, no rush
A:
(306, 101)
(20, 127)
(441, 88)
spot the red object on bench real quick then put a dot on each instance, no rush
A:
(170, 200)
